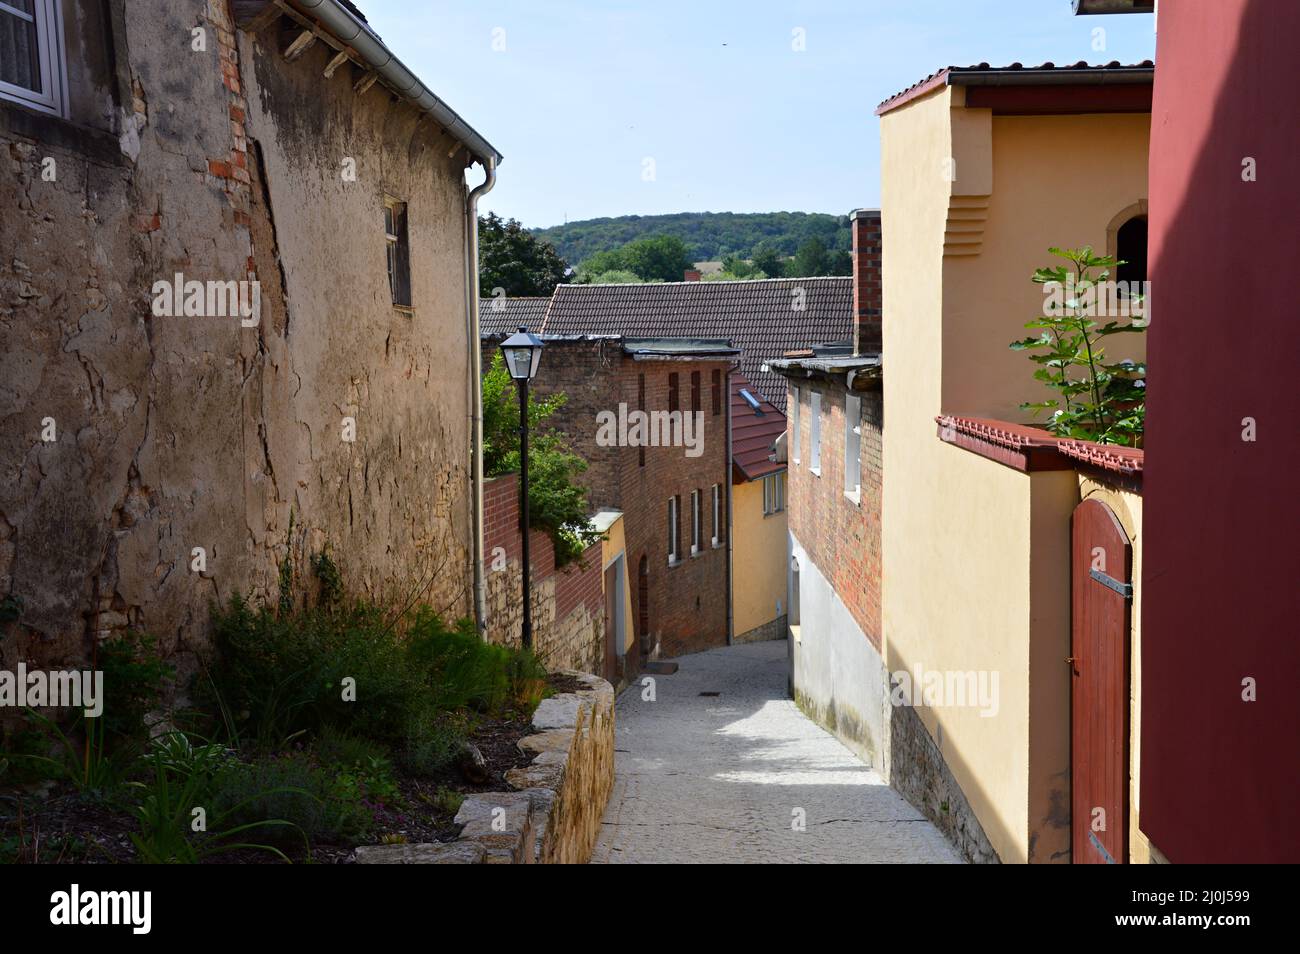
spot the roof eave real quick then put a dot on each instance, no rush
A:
(338, 20)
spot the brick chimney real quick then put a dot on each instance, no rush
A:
(693, 275)
(866, 280)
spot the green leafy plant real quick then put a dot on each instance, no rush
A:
(93, 768)
(1098, 401)
(331, 581)
(557, 503)
(182, 778)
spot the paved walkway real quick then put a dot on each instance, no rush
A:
(725, 778)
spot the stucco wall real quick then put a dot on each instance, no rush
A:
(1221, 560)
(612, 547)
(758, 561)
(976, 555)
(839, 678)
(183, 432)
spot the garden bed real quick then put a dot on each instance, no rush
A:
(281, 769)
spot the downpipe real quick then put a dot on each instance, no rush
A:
(476, 386)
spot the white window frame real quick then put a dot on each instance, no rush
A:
(673, 556)
(853, 447)
(794, 425)
(47, 15)
(717, 515)
(773, 494)
(697, 531)
(815, 451)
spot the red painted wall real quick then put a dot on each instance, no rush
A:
(1221, 561)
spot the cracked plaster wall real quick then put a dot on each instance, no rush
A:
(174, 433)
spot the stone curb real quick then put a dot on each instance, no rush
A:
(554, 811)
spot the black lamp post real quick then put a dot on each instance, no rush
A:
(523, 352)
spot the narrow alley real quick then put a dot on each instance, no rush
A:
(745, 776)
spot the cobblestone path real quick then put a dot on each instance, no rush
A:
(729, 777)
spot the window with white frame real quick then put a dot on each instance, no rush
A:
(673, 555)
(794, 425)
(697, 531)
(717, 515)
(773, 493)
(31, 55)
(815, 439)
(853, 447)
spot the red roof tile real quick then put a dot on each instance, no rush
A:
(752, 433)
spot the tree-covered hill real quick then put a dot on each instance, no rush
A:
(709, 236)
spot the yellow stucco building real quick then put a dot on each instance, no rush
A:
(982, 170)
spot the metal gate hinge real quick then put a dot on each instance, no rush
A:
(1123, 589)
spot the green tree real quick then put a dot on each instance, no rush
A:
(557, 504)
(767, 258)
(600, 263)
(809, 260)
(663, 258)
(736, 267)
(511, 257)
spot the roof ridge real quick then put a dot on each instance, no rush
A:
(727, 281)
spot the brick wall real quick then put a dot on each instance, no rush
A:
(841, 537)
(688, 601)
(687, 605)
(568, 604)
(866, 280)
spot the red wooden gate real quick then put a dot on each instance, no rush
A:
(1102, 593)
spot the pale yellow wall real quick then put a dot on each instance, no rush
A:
(613, 545)
(758, 559)
(976, 555)
(1057, 181)
(1127, 507)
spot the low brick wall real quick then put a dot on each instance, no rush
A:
(568, 603)
(554, 812)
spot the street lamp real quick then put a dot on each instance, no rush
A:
(523, 352)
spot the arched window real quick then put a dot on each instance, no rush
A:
(1131, 250)
(1126, 240)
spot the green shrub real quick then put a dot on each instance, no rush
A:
(433, 741)
(321, 803)
(279, 677)
(134, 678)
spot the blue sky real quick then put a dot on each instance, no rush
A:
(734, 118)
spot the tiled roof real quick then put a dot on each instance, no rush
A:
(1112, 457)
(952, 76)
(759, 317)
(505, 315)
(752, 433)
